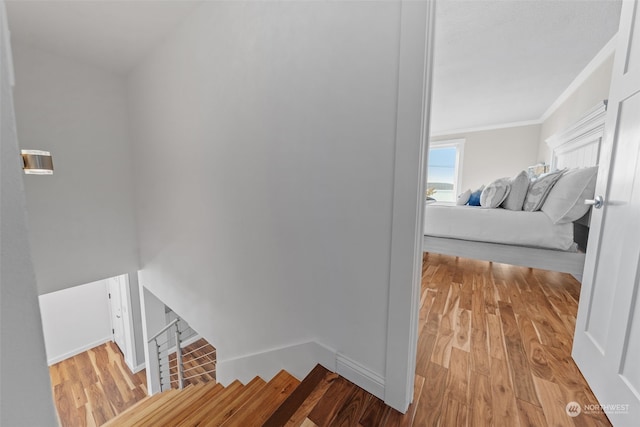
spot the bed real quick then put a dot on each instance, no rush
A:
(522, 238)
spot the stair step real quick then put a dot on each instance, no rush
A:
(210, 398)
(189, 396)
(219, 401)
(258, 410)
(295, 401)
(147, 405)
(216, 416)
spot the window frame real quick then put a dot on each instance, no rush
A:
(458, 144)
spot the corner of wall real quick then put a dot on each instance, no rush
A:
(360, 375)
(298, 359)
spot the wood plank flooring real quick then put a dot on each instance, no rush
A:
(92, 387)
(494, 350)
(495, 346)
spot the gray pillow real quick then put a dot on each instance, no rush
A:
(565, 202)
(463, 198)
(495, 193)
(519, 187)
(539, 189)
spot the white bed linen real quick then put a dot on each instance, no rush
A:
(503, 226)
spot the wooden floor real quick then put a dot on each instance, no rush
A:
(494, 350)
(495, 346)
(91, 388)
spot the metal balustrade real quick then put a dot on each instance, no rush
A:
(170, 340)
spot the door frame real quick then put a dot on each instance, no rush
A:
(411, 150)
(129, 351)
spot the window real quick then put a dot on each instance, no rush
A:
(444, 169)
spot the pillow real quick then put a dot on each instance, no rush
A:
(539, 189)
(463, 198)
(519, 187)
(495, 193)
(565, 202)
(474, 198)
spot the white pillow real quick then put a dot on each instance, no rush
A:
(494, 194)
(519, 187)
(539, 190)
(463, 198)
(565, 202)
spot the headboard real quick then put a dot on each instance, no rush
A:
(579, 144)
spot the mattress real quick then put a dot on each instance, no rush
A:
(503, 226)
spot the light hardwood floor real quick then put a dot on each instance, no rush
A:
(494, 349)
(92, 387)
(495, 346)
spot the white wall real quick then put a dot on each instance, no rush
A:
(594, 89)
(75, 320)
(25, 386)
(81, 218)
(496, 153)
(265, 196)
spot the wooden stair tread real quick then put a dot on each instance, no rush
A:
(322, 398)
(174, 407)
(201, 413)
(292, 403)
(188, 408)
(258, 410)
(216, 416)
(146, 405)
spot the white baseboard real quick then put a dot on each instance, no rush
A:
(360, 376)
(76, 351)
(297, 359)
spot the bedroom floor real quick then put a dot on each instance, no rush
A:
(495, 346)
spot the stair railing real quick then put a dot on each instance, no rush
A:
(169, 340)
(164, 344)
(199, 363)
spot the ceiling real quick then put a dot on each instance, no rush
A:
(496, 61)
(499, 62)
(111, 34)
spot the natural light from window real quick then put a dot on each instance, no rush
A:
(444, 170)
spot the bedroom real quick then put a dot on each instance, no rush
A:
(278, 233)
(566, 135)
(491, 119)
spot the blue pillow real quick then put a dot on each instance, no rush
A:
(474, 199)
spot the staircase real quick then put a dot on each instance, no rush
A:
(209, 404)
(282, 401)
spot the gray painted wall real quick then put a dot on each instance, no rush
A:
(25, 388)
(81, 218)
(267, 132)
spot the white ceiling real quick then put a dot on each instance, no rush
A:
(496, 61)
(112, 34)
(499, 62)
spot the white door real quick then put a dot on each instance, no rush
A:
(607, 341)
(117, 315)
